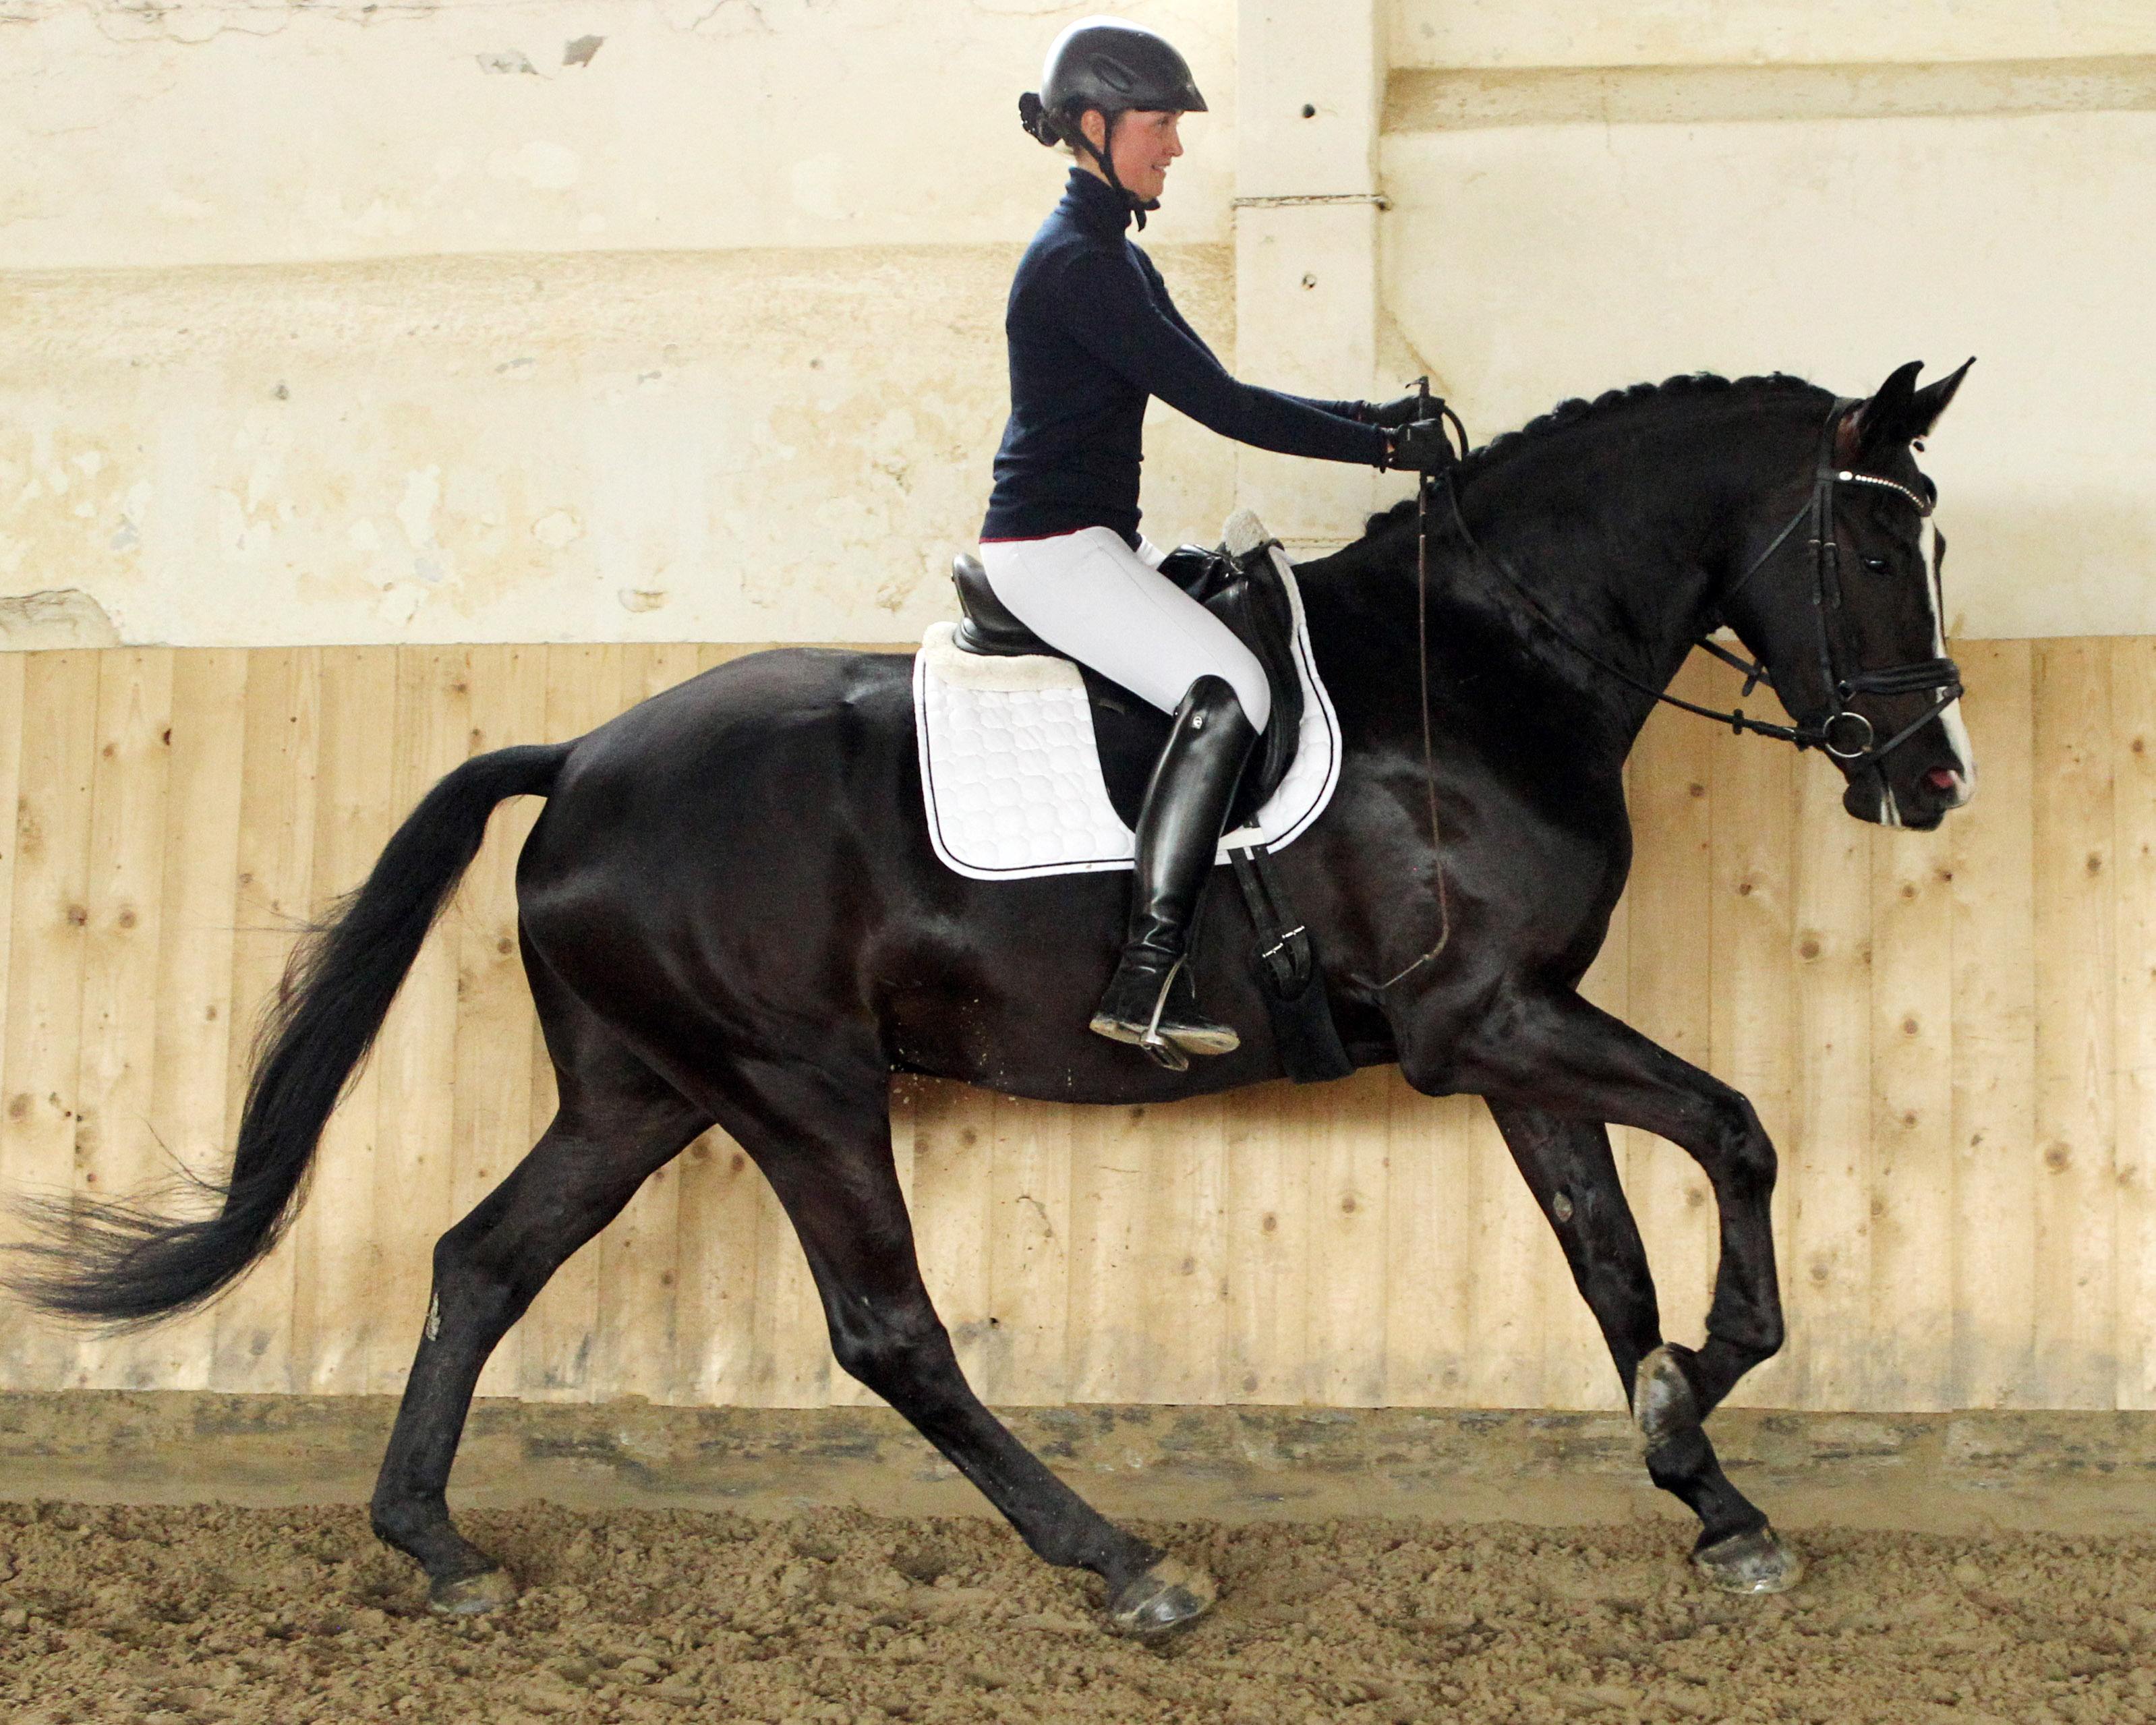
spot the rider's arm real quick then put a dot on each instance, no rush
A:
(1168, 309)
(1109, 310)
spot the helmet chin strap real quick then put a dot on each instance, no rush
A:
(1106, 157)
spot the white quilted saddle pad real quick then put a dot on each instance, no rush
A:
(1012, 779)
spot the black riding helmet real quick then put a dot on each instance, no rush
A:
(1113, 66)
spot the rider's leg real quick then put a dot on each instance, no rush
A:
(1149, 1000)
(1090, 596)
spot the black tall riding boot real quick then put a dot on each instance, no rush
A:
(1150, 1001)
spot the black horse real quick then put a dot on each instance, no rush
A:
(731, 915)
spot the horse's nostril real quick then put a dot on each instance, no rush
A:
(1943, 778)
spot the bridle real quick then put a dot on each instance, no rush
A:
(1940, 677)
(1843, 733)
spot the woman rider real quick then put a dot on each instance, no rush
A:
(1092, 334)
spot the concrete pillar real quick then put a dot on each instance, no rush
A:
(1311, 90)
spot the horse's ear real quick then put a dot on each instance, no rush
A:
(1927, 404)
(1877, 431)
(1900, 412)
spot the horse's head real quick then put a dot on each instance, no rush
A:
(1840, 600)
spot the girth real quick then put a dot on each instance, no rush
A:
(1244, 593)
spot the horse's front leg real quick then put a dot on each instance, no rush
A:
(1568, 1168)
(1556, 1057)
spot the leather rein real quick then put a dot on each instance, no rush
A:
(1854, 743)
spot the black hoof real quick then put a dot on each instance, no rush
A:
(1663, 1406)
(1753, 1562)
(1166, 1597)
(472, 1595)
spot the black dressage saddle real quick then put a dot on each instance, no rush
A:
(1244, 593)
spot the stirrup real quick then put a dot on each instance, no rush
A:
(1169, 1037)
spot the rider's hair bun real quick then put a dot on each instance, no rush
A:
(1037, 120)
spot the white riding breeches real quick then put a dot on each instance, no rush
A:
(1089, 595)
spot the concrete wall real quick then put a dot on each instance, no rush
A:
(654, 320)
(680, 319)
(1584, 197)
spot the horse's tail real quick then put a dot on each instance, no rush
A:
(123, 1263)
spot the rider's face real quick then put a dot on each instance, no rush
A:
(1146, 143)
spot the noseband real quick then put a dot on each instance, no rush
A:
(1844, 733)
(1853, 744)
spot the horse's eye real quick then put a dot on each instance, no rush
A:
(1877, 566)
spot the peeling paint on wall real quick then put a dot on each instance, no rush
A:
(64, 617)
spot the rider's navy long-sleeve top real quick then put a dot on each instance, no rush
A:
(1092, 334)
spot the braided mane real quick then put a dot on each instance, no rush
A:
(1568, 414)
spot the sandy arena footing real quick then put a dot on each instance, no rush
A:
(1959, 1473)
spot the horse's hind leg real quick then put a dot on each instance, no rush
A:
(822, 1136)
(617, 1123)
(1570, 1169)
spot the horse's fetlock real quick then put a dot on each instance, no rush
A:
(1753, 1334)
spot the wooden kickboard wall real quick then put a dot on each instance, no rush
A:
(1952, 1037)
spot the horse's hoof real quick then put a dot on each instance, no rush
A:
(470, 1595)
(1166, 1597)
(1663, 1406)
(1753, 1562)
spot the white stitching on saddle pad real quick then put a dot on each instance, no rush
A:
(1012, 780)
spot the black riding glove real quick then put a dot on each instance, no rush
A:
(1392, 414)
(1422, 446)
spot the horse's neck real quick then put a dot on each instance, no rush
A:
(1625, 584)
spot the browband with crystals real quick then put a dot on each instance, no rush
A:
(1847, 477)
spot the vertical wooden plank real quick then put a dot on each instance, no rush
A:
(1826, 1267)
(491, 1126)
(415, 1060)
(1429, 1261)
(1266, 1248)
(560, 1331)
(257, 1336)
(721, 1197)
(115, 1153)
(1752, 930)
(1910, 1334)
(338, 1237)
(192, 1062)
(2134, 812)
(1350, 1224)
(2075, 1061)
(1180, 1288)
(15, 1319)
(49, 914)
(1997, 1161)
(1028, 1247)
(1111, 1167)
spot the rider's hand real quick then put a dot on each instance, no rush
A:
(1392, 414)
(1422, 446)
